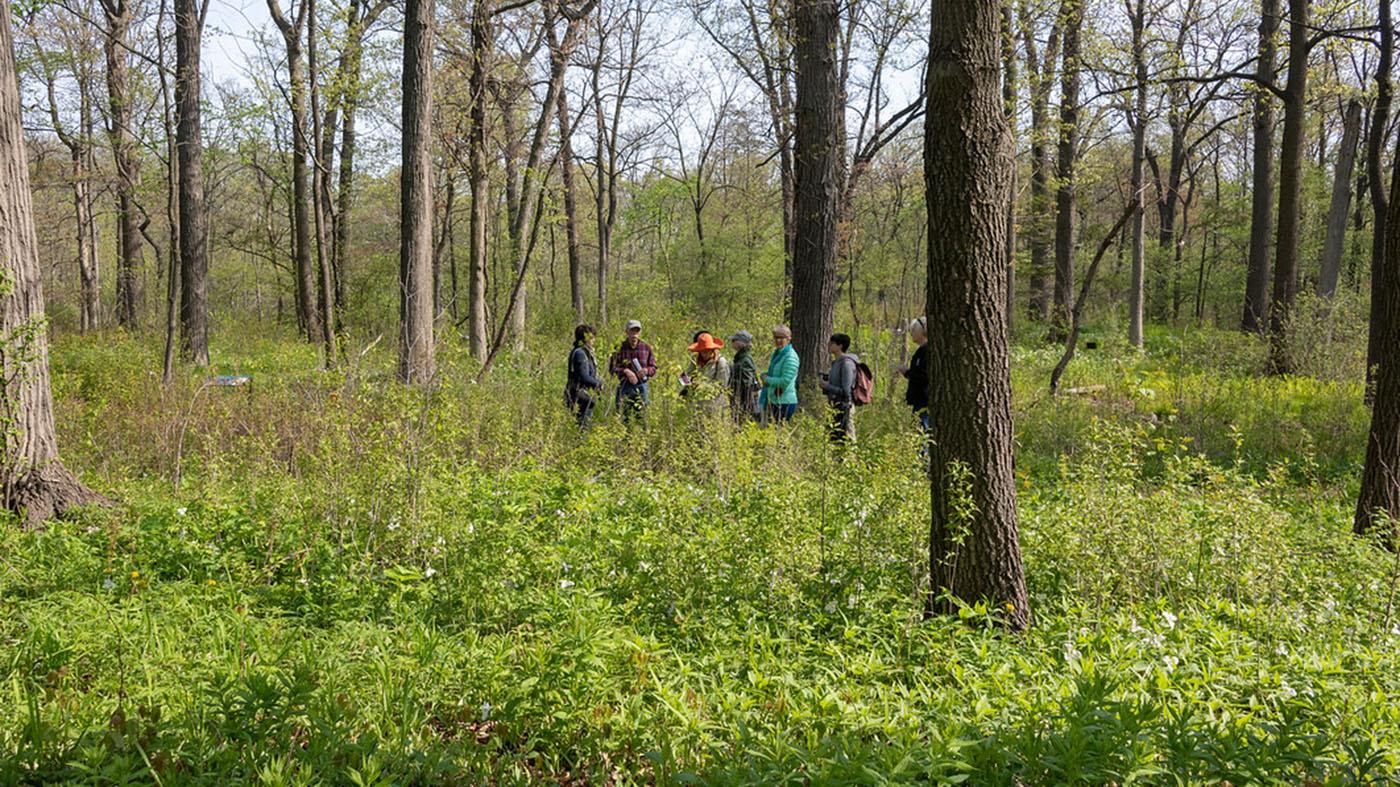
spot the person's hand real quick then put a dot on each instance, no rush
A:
(630, 375)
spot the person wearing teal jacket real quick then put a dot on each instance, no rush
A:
(779, 397)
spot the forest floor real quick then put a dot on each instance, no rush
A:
(329, 578)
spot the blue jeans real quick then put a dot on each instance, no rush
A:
(632, 401)
(777, 413)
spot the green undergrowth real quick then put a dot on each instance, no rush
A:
(329, 579)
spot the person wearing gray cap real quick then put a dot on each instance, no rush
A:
(744, 384)
(634, 364)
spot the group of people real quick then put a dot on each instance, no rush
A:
(734, 386)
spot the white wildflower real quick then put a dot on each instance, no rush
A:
(181, 511)
(1170, 662)
(430, 572)
(485, 711)
(1286, 691)
(108, 584)
(831, 606)
(1281, 649)
(565, 584)
(1169, 619)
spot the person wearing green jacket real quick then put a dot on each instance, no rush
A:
(743, 382)
(779, 396)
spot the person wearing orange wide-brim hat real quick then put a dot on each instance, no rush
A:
(706, 380)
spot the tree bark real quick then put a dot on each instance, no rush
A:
(305, 270)
(1072, 17)
(1375, 147)
(1341, 202)
(1261, 223)
(1040, 71)
(320, 189)
(1379, 501)
(417, 362)
(1290, 196)
(359, 21)
(817, 157)
(1138, 280)
(194, 260)
(125, 161)
(974, 550)
(36, 484)
(1009, 90)
(477, 173)
(566, 164)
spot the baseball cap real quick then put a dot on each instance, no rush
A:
(742, 336)
(634, 324)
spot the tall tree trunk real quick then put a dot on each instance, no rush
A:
(307, 313)
(476, 172)
(1375, 147)
(1041, 74)
(1009, 90)
(359, 20)
(818, 161)
(974, 551)
(1290, 192)
(36, 484)
(1261, 222)
(194, 259)
(566, 163)
(1138, 279)
(416, 346)
(126, 162)
(1072, 17)
(1341, 202)
(320, 188)
(174, 286)
(1379, 501)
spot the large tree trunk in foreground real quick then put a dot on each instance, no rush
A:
(1341, 202)
(1290, 189)
(194, 259)
(126, 162)
(817, 163)
(36, 485)
(1379, 501)
(1261, 223)
(1375, 147)
(416, 348)
(1067, 156)
(967, 165)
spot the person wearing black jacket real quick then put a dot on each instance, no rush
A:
(917, 374)
(583, 382)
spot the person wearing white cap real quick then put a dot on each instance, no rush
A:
(634, 364)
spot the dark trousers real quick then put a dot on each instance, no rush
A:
(583, 406)
(843, 425)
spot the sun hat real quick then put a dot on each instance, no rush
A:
(705, 342)
(742, 336)
(633, 324)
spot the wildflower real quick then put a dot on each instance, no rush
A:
(430, 572)
(1170, 661)
(1286, 691)
(181, 511)
(108, 584)
(1010, 607)
(485, 711)
(1169, 619)
(830, 607)
(1281, 650)
(136, 575)
(211, 582)
(565, 584)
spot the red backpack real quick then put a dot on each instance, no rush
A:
(864, 385)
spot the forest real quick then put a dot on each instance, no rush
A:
(307, 477)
